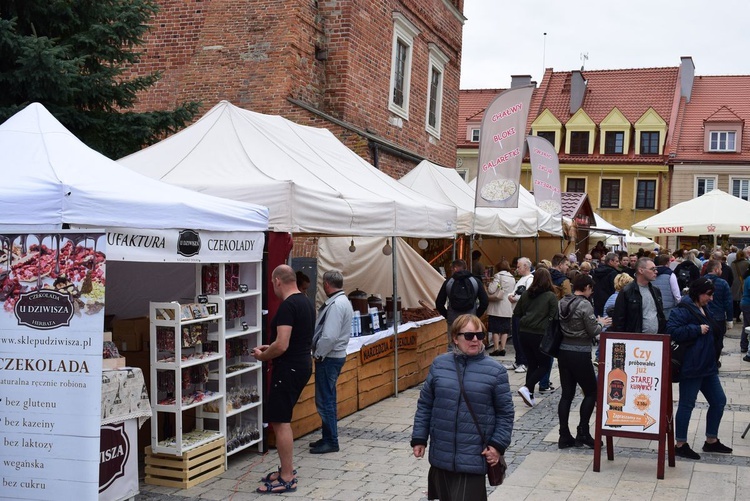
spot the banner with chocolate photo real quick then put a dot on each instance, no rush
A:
(545, 173)
(52, 293)
(501, 143)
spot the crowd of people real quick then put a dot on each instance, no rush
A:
(464, 416)
(692, 295)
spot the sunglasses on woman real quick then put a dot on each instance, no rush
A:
(469, 336)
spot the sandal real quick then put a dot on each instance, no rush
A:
(274, 476)
(279, 486)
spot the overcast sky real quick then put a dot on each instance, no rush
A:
(506, 37)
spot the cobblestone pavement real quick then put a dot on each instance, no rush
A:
(375, 461)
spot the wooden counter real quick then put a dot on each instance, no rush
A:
(362, 384)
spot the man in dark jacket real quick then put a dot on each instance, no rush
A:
(721, 307)
(639, 307)
(687, 272)
(450, 312)
(604, 281)
(559, 274)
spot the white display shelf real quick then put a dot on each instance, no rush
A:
(168, 330)
(236, 290)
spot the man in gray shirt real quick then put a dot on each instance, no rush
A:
(639, 306)
(332, 331)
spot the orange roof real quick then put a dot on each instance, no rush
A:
(632, 91)
(714, 99)
(471, 106)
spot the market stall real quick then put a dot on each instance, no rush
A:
(53, 181)
(311, 182)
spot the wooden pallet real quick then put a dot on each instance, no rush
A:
(190, 469)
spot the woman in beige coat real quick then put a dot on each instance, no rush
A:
(500, 310)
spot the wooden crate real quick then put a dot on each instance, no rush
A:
(186, 471)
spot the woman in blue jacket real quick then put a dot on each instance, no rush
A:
(458, 458)
(691, 323)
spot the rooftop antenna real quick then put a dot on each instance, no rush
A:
(584, 58)
(544, 53)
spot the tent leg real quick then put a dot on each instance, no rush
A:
(394, 261)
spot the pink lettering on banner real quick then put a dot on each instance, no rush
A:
(744, 228)
(504, 134)
(546, 185)
(542, 153)
(544, 168)
(507, 112)
(671, 229)
(501, 159)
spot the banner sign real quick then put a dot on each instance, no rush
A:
(634, 395)
(545, 169)
(633, 381)
(184, 246)
(384, 347)
(501, 142)
(52, 293)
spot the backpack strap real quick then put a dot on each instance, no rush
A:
(448, 285)
(475, 285)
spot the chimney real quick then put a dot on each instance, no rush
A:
(577, 90)
(519, 81)
(687, 74)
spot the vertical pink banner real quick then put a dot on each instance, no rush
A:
(545, 169)
(501, 143)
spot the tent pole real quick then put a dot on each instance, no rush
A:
(471, 251)
(291, 252)
(536, 248)
(395, 316)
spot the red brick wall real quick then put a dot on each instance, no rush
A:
(258, 53)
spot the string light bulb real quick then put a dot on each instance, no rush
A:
(387, 250)
(422, 244)
(352, 248)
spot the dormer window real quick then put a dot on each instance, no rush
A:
(549, 135)
(614, 142)
(579, 143)
(474, 135)
(649, 143)
(722, 141)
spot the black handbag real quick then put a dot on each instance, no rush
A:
(553, 336)
(496, 472)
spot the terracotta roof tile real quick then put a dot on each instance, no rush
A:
(632, 91)
(471, 106)
(713, 99)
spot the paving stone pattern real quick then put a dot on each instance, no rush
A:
(376, 463)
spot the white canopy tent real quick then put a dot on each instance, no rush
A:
(51, 178)
(545, 221)
(311, 182)
(715, 213)
(446, 186)
(607, 232)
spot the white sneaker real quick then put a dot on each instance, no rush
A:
(526, 396)
(520, 368)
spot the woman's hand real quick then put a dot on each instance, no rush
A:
(704, 328)
(491, 455)
(604, 321)
(418, 451)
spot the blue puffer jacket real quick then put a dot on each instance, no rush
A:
(683, 326)
(442, 415)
